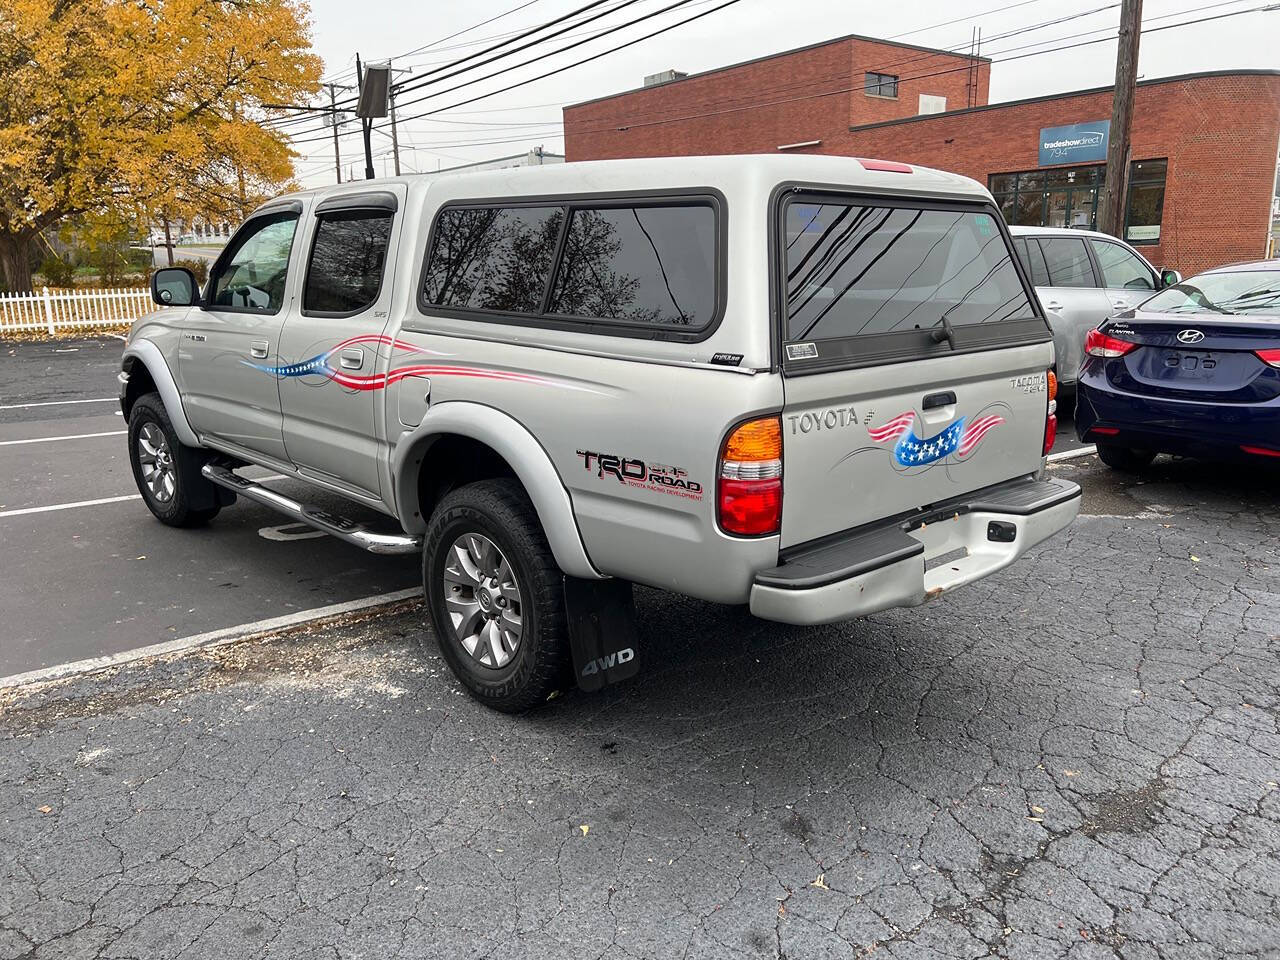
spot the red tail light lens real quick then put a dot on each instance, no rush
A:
(1261, 451)
(749, 485)
(1099, 344)
(1270, 357)
(1050, 433)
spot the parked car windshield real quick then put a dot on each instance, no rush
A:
(1243, 291)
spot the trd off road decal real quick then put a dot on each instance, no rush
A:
(912, 450)
(319, 366)
(636, 473)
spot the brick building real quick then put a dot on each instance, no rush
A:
(1203, 171)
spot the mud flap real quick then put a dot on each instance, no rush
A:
(602, 631)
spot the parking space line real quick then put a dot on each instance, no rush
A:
(68, 506)
(1072, 454)
(55, 403)
(74, 436)
(213, 638)
(50, 508)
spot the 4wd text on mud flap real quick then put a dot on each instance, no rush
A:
(637, 473)
(608, 662)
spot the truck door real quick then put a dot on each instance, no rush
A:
(229, 344)
(335, 357)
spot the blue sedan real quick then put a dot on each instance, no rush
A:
(1194, 371)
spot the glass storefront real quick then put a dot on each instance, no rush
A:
(1068, 197)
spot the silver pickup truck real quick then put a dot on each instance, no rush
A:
(818, 386)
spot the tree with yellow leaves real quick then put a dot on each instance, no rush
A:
(142, 108)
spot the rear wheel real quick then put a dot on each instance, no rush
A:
(168, 473)
(1125, 458)
(496, 595)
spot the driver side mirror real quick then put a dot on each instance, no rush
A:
(1169, 278)
(175, 287)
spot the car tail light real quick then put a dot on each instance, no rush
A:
(1270, 357)
(1261, 451)
(1099, 344)
(1051, 413)
(749, 485)
(1106, 431)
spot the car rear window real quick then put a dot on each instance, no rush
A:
(1068, 262)
(614, 267)
(857, 269)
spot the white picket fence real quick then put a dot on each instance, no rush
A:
(54, 310)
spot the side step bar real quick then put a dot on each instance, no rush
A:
(340, 527)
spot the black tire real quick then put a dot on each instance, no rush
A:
(500, 511)
(1126, 459)
(194, 500)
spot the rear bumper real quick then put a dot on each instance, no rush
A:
(1167, 425)
(915, 558)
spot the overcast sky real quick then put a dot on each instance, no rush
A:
(529, 115)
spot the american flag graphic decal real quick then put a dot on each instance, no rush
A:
(911, 450)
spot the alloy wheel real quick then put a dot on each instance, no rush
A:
(159, 472)
(483, 600)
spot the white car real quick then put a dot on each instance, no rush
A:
(1082, 277)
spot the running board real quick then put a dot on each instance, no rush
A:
(335, 526)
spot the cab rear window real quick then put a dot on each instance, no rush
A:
(860, 269)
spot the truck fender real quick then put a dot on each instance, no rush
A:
(515, 444)
(148, 354)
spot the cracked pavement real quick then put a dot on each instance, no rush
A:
(1075, 758)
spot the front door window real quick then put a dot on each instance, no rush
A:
(251, 273)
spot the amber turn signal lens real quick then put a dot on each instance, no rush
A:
(1053, 386)
(755, 440)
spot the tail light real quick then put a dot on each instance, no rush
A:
(1261, 451)
(749, 484)
(1051, 413)
(1270, 357)
(1099, 344)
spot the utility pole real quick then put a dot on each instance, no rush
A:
(395, 140)
(1111, 216)
(333, 122)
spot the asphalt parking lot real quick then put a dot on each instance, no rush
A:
(68, 501)
(1077, 758)
(90, 573)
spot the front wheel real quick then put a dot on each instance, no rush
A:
(1126, 459)
(168, 473)
(496, 595)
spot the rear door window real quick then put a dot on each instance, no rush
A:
(861, 269)
(1067, 261)
(348, 259)
(1122, 269)
(1031, 257)
(641, 265)
(492, 258)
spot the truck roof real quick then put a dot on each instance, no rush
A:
(656, 173)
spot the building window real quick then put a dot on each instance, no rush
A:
(882, 85)
(1068, 197)
(1146, 201)
(932, 103)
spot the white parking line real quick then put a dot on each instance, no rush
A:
(1072, 454)
(74, 436)
(56, 403)
(68, 506)
(50, 508)
(213, 638)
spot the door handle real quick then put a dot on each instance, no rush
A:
(258, 349)
(1120, 304)
(944, 399)
(352, 358)
(1052, 305)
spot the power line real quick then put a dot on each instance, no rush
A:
(569, 66)
(829, 93)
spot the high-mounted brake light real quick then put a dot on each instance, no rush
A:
(1270, 357)
(1099, 344)
(884, 166)
(749, 483)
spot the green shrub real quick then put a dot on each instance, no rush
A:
(57, 272)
